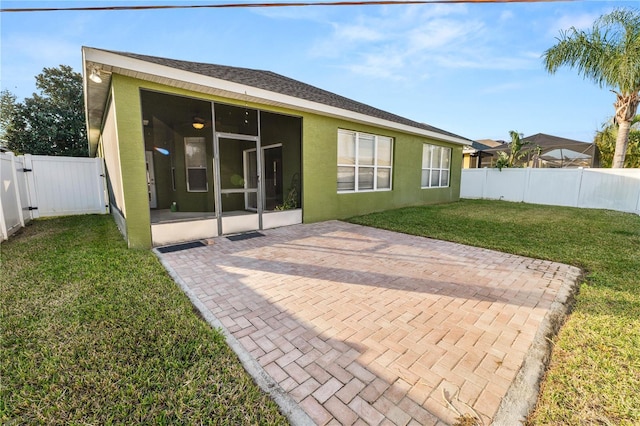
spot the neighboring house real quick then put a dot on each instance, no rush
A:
(554, 152)
(196, 150)
(490, 142)
(473, 155)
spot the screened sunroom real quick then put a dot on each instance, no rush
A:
(218, 168)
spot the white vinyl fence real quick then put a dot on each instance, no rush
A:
(613, 189)
(39, 186)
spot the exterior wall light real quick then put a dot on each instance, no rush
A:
(95, 76)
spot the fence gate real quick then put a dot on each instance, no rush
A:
(39, 186)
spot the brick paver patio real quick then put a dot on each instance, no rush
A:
(365, 326)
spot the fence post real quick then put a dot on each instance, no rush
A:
(4, 232)
(16, 187)
(101, 183)
(579, 196)
(527, 181)
(31, 185)
(484, 183)
(24, 189)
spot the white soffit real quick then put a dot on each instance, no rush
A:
(143, 70)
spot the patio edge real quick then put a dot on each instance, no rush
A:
(288, 407)
(519, 400)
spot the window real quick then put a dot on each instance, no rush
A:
(364, 162)
(436, 162)
(195, 157)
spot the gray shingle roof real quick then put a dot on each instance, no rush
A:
(546, 142)
(273, 82)
(479, 146)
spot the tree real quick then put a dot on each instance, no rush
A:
(7, 110)
(605, 139)
(609, 55)
(50, 122)
(515, 154)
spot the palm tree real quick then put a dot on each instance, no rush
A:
(605, 139)
(609, 54)
(515, 154)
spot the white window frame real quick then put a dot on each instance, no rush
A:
(375, 166)
(199, 140)
(445, 152)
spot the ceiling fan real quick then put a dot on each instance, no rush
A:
(200, 123)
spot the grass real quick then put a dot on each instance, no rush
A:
(594, 373)
(94, 333)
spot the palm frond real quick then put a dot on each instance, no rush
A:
(608, 54)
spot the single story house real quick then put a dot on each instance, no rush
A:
(548, 151)
(474, 154)
(195, 150)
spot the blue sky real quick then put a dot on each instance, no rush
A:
(471, 69)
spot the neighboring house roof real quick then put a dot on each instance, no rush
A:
(546, 142)
(479, 147)
(556, 150)
(236, 83)
(490, 142)
(475, 147)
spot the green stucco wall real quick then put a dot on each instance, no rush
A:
(319, 197)
(132, 160)
(321, 200)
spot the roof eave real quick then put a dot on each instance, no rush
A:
(96, 97)
(163, 74)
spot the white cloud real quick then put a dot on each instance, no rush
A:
(485, 61)
(385, 65)
(531, 55)
(39, 49)
(309, 13)
(423, 12)
(582, 21)
(358, 33)
(507, 15)
(391, 25)
(441, 33)
(401, 46)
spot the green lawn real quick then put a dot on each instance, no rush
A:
(96, 334)
(594, 374)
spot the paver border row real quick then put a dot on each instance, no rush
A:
(519, 401)
(289, 408)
